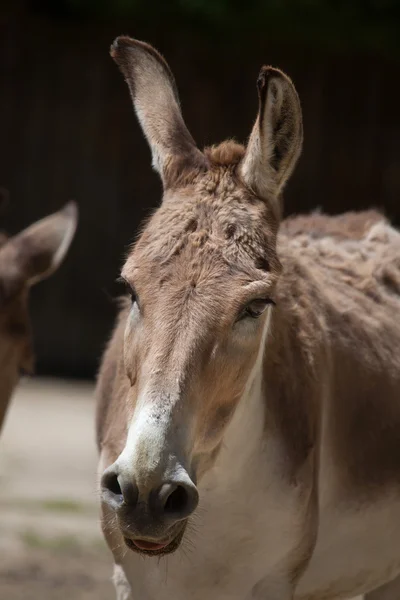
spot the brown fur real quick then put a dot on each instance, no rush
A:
(174, 152)
(351, 225)
(331, 372)
(358, 299)
(113, 383)
(24, 259)
(226, 154)
(354, 296)
(214, 231)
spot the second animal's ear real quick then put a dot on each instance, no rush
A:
(37, 251)
(277, 137)
(155, 99)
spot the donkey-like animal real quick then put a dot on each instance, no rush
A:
(25, 259)
(249, 399)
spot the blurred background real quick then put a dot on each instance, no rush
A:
(68, 129)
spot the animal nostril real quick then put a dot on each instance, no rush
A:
(119, 490)
(111, 483)
(177, 501)
(111, 489)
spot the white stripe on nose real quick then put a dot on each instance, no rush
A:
(155, 447)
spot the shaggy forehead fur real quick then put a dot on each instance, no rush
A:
(213, 224)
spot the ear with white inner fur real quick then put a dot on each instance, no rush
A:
(37, 251)
(155, 99)
(276, 140)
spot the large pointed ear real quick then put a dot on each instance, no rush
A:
(276, 140)
(36, 252)
(155, 99)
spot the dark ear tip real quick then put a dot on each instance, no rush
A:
(71, 210)
(121, 43)
(114, 48)
(127, 52)
(267, 73)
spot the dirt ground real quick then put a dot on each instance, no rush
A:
(51, 547)
(50, 542)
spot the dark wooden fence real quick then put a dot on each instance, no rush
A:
(67, 130)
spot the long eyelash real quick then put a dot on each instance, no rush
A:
(128, 287)
(268, 302)
(121, 281)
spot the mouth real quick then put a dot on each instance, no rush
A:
(155, 548)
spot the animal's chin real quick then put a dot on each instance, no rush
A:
(155, 549)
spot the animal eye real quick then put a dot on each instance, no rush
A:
(128, 287)
(256, 308)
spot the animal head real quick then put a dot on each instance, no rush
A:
(28, 257)
(202, 279)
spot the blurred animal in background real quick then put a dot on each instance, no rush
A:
(26, 258)
(249, 400)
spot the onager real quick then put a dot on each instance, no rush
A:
(249, 399)
(25, 259)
